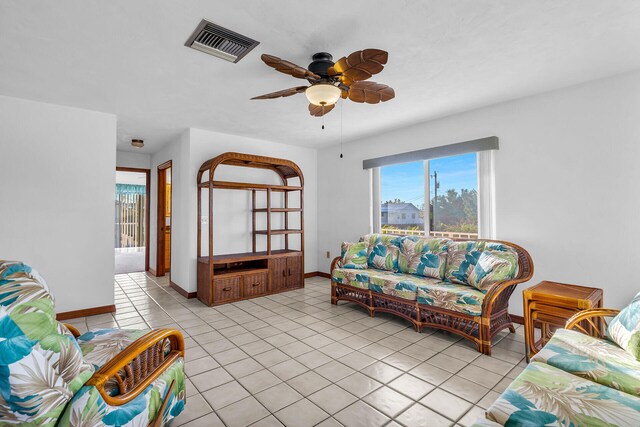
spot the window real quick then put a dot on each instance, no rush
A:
(451, 185)
(401, 187)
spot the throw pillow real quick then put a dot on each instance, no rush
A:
(354, 255)
(425, 257)
(488, 270)
(624, 329)
(383, 251)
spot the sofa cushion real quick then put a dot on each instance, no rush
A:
(491, 268)
(543, 395)
(452, 296)
(354, 255)
(351, 276)
(383, 251)
(423, 256)
(396, 284)
(624, 329)
(41, 365)
(101, 345)
(598, 360)
(462, 258)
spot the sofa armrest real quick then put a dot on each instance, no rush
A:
(335, 263)
(592, 321)
(139, 365)
(497, 298)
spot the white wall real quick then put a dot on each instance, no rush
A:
(178, 153)
(567, 182)
(232, 230)
(126, 159)
(57, 174)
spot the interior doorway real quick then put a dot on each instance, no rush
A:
(163, 253)
(131, 214)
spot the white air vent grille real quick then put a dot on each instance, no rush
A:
(217, 41)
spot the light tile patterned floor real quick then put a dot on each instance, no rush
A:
(294, 359)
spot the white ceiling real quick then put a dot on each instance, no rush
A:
(128, 57)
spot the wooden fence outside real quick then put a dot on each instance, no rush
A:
(130, 218)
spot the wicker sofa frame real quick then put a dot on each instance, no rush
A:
(478, 329)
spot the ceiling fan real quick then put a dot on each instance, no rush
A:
(330, 81)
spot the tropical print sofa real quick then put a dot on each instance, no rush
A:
(51, 375)
(460, 286)
(586, 375)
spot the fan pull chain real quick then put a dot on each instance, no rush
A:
(341, 102)
(322, 116)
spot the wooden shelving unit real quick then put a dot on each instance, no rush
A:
(233, 277)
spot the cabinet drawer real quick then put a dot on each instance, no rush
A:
(255, 284)
(226, 288)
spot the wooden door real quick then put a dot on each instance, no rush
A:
(163, 220)
(167, 248)
(294, 272)
(278, 270)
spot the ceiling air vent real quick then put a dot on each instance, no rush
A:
(217, 41)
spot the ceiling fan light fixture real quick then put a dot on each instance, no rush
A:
(323, 94)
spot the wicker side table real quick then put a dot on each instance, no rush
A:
(549, 305)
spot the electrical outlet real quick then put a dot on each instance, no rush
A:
(328, 254)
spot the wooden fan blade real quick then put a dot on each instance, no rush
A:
(370, 92)
(319, 111)
(282, 93)
(360, 65)
(287, 67)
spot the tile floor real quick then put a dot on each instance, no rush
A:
(294, 359)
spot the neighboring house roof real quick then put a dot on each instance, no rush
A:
(397, 207)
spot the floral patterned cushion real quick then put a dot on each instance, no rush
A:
(423, 256)
(88, 408)
(624, 329)
(383, 251)
(463, 256)
(396, 284)
(543, 395)
(350, 276)
(598, 360)
(491, 268)
(452, 296)
(41, 365)
(354, 255)
(100, 346)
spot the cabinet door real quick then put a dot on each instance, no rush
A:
(278, 269)
(294, 272)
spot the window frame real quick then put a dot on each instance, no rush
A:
(485, 170)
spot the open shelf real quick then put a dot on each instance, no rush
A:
(248, 256)
(233, 277)
(279, 210)
(279, 231)
(249, 186)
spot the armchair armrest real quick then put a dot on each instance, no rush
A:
(72, 329)
(592, 321)
(335, 263)
(139, 364)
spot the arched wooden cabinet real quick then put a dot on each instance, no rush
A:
(224, 278)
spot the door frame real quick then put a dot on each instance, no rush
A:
(147, 216)
(160, 216)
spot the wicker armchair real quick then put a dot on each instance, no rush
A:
(50, 374)
(480, 329)
(592, 322)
